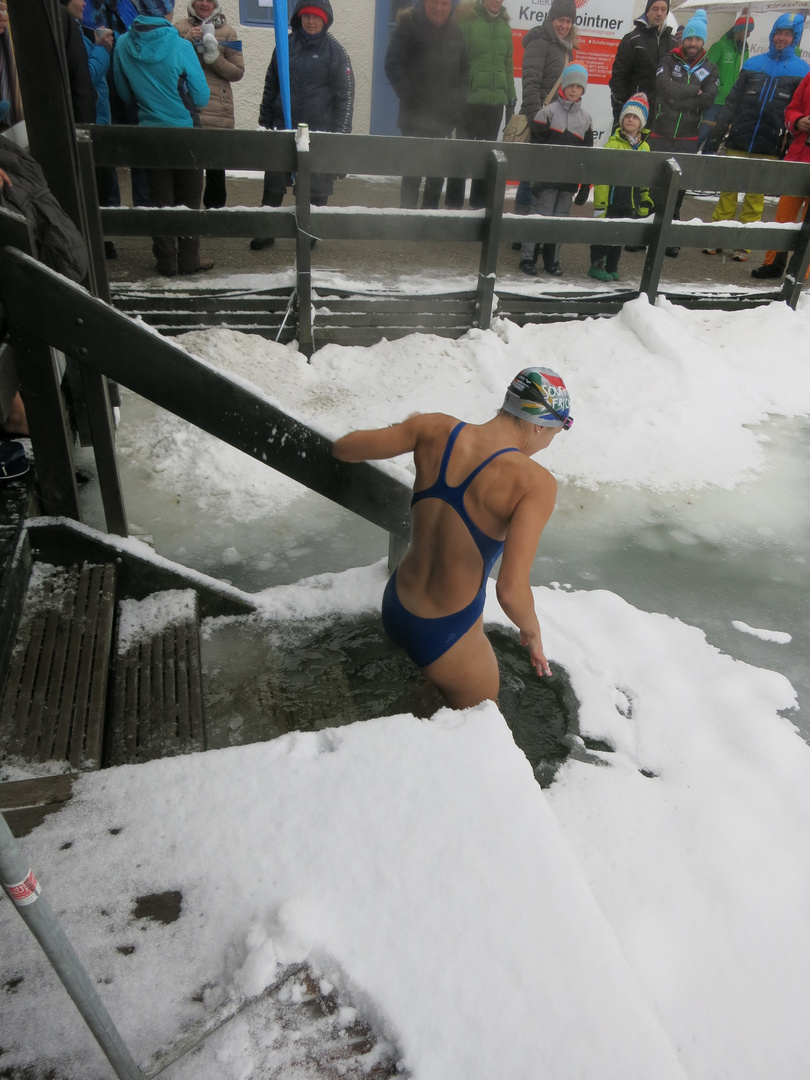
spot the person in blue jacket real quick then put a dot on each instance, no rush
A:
(321, 96)
(159, 72)
(753, 118)
(118, 16)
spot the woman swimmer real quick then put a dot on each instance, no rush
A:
(477, 493)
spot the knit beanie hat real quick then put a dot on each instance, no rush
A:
(742, 22)
(313, 9)
(157, 8)
(562, 9)
(637, 105)
(650, 4)
(697, 26)
(574, 75)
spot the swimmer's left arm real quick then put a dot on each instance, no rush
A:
(513, 589)
(380, 443)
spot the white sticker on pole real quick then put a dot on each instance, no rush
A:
(25, 892)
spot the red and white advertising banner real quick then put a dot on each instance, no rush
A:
(600, 24)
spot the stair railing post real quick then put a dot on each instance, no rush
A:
(496, 190)
(653, 263)
(303, 260)
(24, 890)
(797, 266)
(39, 370)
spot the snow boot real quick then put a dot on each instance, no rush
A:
(598, 272)
(528, 267)
(772, 270)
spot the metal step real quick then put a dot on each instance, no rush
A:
(157, 708)
(55, 692)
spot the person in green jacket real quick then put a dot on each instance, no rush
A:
(728, 55)
(486, 30)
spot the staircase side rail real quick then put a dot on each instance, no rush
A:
(108, 342)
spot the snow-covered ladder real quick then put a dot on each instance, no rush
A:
(157, 701)
(54, 699)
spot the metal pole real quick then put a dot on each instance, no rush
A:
(22, 886)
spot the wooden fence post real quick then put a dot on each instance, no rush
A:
(303, 259)
(651, 274)
(88, 194)
(496, 188)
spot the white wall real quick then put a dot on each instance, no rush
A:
(354, 29)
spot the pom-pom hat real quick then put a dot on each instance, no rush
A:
(637, 105)
(697, 27)
(538, 395)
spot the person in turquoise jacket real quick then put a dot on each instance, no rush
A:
(486, 29)
(728, 55)
(159, 72)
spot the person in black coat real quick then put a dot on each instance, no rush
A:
(321, 95)
(427, 66)
(638, 56)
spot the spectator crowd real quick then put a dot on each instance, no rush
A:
(145, 62)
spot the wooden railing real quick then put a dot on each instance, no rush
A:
(48, 315)
(495, 163)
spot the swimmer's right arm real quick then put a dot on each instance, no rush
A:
(379, 443)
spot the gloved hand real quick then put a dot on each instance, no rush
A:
(646, 205)
(581, 197)
(712, 144)
(510, 111)
(210, 49)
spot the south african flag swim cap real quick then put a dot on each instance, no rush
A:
(539, 396)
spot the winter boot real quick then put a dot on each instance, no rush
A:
(772, 270)
(597, 270)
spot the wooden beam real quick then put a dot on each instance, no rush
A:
(157, 369)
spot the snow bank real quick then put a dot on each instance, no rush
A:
(645, 918)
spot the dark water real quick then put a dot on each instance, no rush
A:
(263, 680)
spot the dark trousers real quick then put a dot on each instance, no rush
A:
(481, 123)
(409, 191)
(214, 196)
(176, 187)
(671, 146)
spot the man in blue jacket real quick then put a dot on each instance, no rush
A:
(158, 71)
(753, 118)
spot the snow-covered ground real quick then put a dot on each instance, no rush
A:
(646, 917)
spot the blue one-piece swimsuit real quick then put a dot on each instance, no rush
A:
(425, 640)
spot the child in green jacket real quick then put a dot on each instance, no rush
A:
(621, 202)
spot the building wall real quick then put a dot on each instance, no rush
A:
(354, 29)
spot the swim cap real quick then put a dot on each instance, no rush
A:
(538, 395)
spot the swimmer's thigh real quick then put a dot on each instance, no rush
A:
(467, 673)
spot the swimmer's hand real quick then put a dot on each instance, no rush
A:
(537, 658)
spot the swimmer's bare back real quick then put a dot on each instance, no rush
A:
(509, 500)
